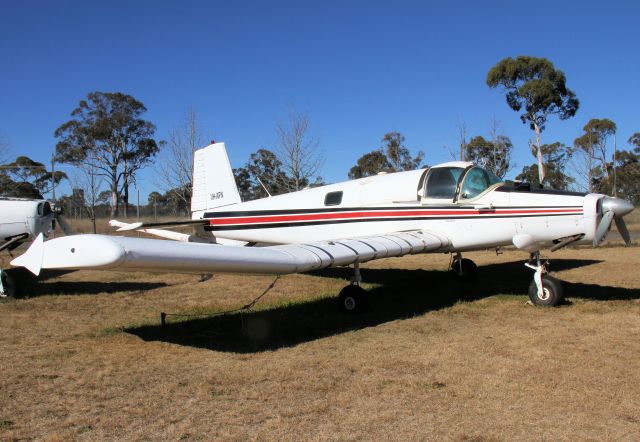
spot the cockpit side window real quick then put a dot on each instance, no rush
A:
(46, 209)
(476, 181)
(333, 198)
(442, 182)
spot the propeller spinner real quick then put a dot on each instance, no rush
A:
(613, 209)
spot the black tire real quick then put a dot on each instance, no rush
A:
(353, 299)
(552, 296)
(10, 286)
(469, 269)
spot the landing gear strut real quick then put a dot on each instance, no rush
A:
(464, 269)
(353, 298)
(544, 290)
(8, 285)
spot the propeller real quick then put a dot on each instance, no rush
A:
(62, 222)
(613, 209)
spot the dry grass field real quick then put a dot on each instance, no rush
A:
(84, 357)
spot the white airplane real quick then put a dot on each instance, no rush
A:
(21, 220)
(449, 208)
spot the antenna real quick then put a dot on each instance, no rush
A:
(615, 150)
(263, 186)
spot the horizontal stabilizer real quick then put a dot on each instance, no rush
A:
(125, 227)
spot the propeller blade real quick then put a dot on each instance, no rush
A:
(624, 233)
(603, 227)
(66, 228)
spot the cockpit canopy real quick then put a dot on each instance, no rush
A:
(459, 183)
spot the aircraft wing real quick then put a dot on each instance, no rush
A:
(122, 253)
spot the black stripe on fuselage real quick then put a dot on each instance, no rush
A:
(211, 228)
(512, 189)
(246, 213)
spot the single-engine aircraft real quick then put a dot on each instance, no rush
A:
(23, 219)
(449, 208)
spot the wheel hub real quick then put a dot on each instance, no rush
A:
(349, 303)
(545, 294)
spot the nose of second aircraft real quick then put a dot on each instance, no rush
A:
(618, 206)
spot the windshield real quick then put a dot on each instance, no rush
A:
(442, 182)
(476, 181)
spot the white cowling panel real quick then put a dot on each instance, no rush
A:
(110, 252)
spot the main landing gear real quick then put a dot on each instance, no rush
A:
(464, 269)
(353, 298)
(8, 285)
(544, 290)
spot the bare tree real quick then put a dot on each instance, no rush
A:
(502, 148)
(581, 167)
(4, 148)
(176, 169)
(90, 181)
(298, 151)
(593, 146)
(462, 137)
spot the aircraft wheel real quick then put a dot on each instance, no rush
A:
(465, 270)
(9, 286)
(552, 292)
(353, 299)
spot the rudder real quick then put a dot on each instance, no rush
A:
(213, 182)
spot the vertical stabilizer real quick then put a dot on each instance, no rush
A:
(213, 182)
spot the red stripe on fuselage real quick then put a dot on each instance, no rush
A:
(379, 214)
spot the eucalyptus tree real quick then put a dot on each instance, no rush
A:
(392, 156)
(107, 130)
(555, 157)
(494, 155)
(27, 178)
(536, 89)
(369, 164)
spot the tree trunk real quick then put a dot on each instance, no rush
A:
(539, 156)
(125, 197)
(615, 154)
(590, 165)
(115, 200)
(125, 192)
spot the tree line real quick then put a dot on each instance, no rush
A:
(108, 141)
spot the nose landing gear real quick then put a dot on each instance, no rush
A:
(544, 290)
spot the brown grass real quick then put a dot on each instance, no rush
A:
(633, 220)
(84, 358)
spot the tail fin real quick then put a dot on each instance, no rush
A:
(213, 181)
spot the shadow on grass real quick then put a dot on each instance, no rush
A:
(404, 294)
(31, 286)
(86, 288)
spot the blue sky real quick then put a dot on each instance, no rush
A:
(357, 69)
